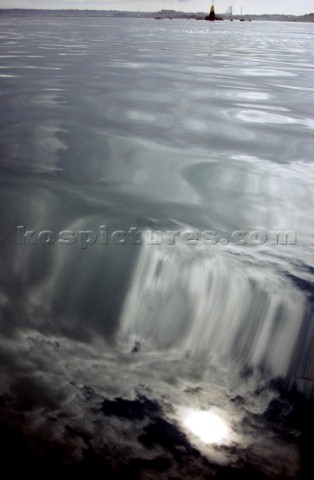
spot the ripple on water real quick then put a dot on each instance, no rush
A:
(265, 72)
(243, 93)
(251, 115)
(4, 75)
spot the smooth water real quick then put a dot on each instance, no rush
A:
(178, 158)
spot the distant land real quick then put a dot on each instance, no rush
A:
(161, 15)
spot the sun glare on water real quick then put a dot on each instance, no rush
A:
(206, 425)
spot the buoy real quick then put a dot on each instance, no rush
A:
(212, 16)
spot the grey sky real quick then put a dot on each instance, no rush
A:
(297, 7)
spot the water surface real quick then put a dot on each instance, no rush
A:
(185, 133)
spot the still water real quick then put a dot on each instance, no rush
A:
(157, 243)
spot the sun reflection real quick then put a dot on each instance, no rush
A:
(206, 425)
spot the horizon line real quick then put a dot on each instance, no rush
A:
(148, 11)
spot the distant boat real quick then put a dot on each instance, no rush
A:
(241, 19)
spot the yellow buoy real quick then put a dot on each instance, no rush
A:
(212, 16)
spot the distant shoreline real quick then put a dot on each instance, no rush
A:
(162, 15)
